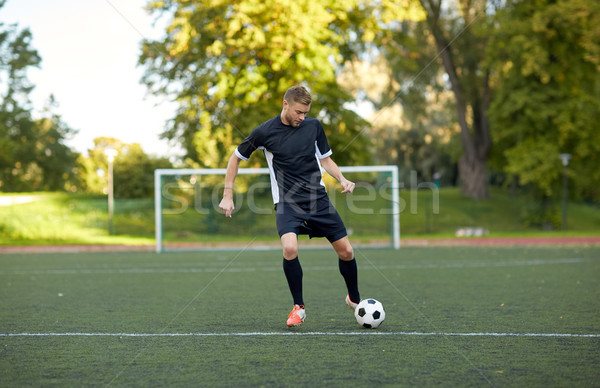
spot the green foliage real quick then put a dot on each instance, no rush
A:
(438, 77)
(547, 83)
(133, 169)
(33, 155)
(458, 31)
(228, 65)
(541, 214)
(412, 125)
(134, 172)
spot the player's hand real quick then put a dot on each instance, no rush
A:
(347, 186)
(227, 206)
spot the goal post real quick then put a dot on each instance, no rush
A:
(187, 216)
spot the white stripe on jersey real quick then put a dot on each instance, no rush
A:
(319, 154)
(237, 153)
(274, 186)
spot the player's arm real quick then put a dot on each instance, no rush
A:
(226, 204)
(332, 169)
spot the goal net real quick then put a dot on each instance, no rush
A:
(187, 214)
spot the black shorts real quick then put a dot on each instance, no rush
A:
(316, 219)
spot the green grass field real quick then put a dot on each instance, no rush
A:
(526, 316)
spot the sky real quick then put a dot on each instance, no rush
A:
(89, 51)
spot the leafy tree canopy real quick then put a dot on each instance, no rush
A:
(32, 151)
(133, 169)
(547, 88)
(228, 65)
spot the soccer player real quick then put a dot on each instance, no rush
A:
(294, 144)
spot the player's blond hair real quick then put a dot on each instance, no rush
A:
(298, 94)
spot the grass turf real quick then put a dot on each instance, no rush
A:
(470, 290)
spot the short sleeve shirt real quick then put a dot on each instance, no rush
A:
(293, 155)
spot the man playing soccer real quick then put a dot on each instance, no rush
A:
(294, 145)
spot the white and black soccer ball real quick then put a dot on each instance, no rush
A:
(369, 313)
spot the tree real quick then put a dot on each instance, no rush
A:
(95, 166)
(32, 153)
(134, 172)
(459, 33)
(547, 88)
(56, 160)
(16, 124)
(228, 65)
(411, 123)
(133, 169)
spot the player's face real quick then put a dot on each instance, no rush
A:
(294, 113)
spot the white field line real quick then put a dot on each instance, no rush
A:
(199, 269)
(310, 333)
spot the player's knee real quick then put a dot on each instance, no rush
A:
(290, 251)
(346, 253)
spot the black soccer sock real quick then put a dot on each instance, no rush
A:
(349, 271)
(293, 274)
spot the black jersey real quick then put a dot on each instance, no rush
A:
(293, 155)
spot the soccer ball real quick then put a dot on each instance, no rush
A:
(369, 313)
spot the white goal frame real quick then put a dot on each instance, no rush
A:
(159, 173)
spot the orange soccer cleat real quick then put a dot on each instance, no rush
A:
(297, 316)
(351, 304)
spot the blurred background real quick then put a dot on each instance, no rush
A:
(495, 103)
